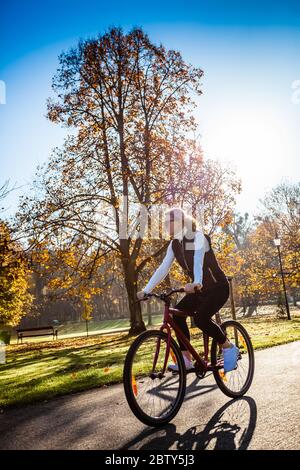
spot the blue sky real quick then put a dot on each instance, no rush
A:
(249, 52)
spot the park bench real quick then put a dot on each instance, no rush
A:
(38, 331)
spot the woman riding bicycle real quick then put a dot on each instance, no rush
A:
(208, 290)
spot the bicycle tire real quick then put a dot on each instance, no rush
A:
(137, 411)
(214, 349)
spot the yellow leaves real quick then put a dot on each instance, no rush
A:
(41, 256)
(255, 264)
(54, 283)
(87, 307)
(228, 219)
(14, 280)
(68, 270)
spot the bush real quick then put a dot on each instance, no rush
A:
(5, 336)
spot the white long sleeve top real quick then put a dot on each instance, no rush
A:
(201, 247)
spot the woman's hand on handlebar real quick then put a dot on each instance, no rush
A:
(192, 287)
(141, 295)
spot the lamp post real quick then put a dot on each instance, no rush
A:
(233, 308)
(277, 242)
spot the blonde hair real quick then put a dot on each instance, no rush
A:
(188, 222)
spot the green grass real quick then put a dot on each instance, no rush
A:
(41, 370)
(73, 330)
(102, 326)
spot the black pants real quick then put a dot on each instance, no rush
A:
(202, 306)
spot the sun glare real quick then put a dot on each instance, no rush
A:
(257, 142)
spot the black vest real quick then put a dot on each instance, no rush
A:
(212, 272)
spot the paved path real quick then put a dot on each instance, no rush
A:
(267, 418)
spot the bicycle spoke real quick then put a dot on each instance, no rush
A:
(235, 382)
(156, 396)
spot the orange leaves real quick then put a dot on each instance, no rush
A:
(134, 385)
(173, 356)
(223, 375)
(242, 342)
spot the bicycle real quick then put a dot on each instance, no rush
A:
(154, 393)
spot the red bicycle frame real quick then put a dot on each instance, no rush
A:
(201, 365)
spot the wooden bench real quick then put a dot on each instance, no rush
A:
(38, 331)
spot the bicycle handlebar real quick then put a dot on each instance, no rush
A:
(162, 296)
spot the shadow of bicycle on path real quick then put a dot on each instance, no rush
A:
(230, 428)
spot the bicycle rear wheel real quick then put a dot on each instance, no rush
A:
(153, 397)
(238, 381)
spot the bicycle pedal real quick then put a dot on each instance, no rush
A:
(187, 370)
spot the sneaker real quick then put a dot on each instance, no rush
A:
(230, 356)
(188, 365)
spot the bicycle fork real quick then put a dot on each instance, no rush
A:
(160, 374)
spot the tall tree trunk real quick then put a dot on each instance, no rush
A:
(137, 324)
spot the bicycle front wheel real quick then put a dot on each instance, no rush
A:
(238, 381)
(153, 397)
